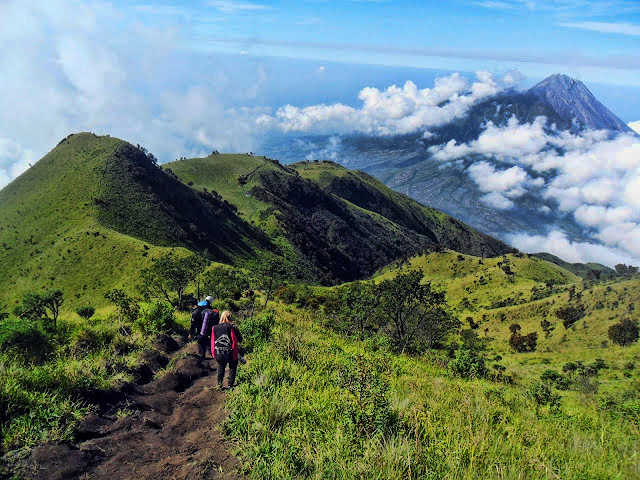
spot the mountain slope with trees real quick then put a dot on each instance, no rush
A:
(345, 224)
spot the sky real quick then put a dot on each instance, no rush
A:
(185, 78)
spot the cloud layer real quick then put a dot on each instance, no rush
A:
(591, 175)
(70, 66)
(394, 110)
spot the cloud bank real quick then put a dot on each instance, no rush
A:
(591, 175)
(395, 110)
(70, 66)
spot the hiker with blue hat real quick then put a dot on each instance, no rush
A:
(203, 318)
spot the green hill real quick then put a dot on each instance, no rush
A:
(584, 270)
(481, 293)
(92, 212)
(346, 224)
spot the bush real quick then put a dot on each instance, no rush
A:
(91, 338)
(365, 382)
(256, 331)
(467, 364)
(624, 333)
(86, 312)
(24, 340)
(556, 379)
(542, 394)
(570, 315)
(159, 318)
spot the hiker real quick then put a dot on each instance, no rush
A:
(210, 318)
(224, 347)
(197, 323)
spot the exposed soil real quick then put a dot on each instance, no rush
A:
(171, 430)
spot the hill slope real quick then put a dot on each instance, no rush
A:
(93, 211)
(346, 224)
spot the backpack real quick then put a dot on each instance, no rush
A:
(196, 320)
(210, 318)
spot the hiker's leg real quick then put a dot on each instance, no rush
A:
(233, 365)
(202, 346)
(222, 364)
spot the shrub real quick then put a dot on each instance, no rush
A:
(365, 382)
(542, 394)
(570, 315)
(624, 333)
(556, 379)
(524, 343)
(86, 312)
(159, 318)
(467, 364)
(24, 340)
(256, 331)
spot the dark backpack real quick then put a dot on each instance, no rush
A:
(196, 320)
(210, 318)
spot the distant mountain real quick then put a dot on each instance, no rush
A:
(572, 101)
(406, 164)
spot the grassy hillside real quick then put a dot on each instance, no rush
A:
(91, 213)
(481, 291)
(584, 270)
(371, 194)
(345, 224)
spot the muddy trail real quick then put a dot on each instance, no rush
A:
(170, 429)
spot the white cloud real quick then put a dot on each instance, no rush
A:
(635, 126)
(489, 179)
(511, 141)
(497, 200)
(622, 28)
(558, 244)
(391, 111)
(70, 66)
(592, 176)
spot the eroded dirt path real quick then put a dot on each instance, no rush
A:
(171, 430)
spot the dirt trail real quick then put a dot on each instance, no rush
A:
(172, 431)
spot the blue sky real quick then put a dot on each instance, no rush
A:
(597, 41)
(187, 77)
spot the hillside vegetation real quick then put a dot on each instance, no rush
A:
(346, 224)
(93, 212)
(445, 355)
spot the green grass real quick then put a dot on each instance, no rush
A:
(292, 418)
(42, 400)
(220, 173)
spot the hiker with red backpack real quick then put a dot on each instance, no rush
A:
(224, 347)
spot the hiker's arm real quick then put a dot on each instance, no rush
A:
(238, 334)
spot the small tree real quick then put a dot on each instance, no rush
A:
(570, 314)
(126, 306)
(412, 313)
(624, 333)
(269, 274)
(41, 307)
(169, 276)
(86, 312)
(357, 304)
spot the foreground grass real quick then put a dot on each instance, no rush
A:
(44, 393)
(315, 405)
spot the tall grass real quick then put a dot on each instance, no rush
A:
(44, 394)
(293, 417)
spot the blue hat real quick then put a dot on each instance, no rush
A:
(203, 303)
